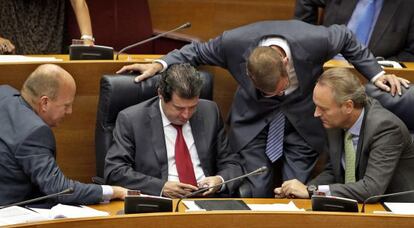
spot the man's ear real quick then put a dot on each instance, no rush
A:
(159, 93)
(43, 103)
(349, 106)
(285, 61)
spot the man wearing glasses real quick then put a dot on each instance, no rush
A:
(276, 64)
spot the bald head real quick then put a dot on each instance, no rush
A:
(46, 80)
(50, 90)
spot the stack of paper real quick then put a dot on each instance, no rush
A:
(15, 215)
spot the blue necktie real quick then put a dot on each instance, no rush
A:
(274, 146)
(365, 22)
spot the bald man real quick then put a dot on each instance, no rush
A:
(28, 167)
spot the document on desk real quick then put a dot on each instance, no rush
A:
(22, 58)
(275, 207)
(68, 211)
(400, 208)
(15, 215)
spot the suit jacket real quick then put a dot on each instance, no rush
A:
(384, 158)
(311, 46)
(393, 34)
(28, 167)
(137, 159)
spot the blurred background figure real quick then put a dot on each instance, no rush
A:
(385, 26)
(38, 27)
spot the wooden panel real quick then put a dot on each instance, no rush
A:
(209, 18)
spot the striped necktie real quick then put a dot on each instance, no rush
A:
(274, 146)
(349, 158)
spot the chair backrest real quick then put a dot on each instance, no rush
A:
(118, 92)
(401, 106)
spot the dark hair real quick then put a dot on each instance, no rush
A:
(183, 79)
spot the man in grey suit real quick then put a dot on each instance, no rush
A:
(275, 90)
(28, 167)
(146, 155)
(391, 34)
(370, 149)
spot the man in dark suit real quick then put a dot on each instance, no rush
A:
(146, 155)
(276, 94)
(28, 167)
(391, 34)
(370, 149)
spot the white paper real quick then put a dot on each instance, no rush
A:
(275, 207)
(67, 211)
(192, 206)
(22, 58)
(401, 208)
(16, 214)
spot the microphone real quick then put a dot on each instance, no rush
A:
(66, 191)
(258, 171)
(384, 195)
(183, 26)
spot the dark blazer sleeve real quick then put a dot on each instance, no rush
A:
(227, 161)
(326, 177)
(36, 157)
(120, 161)
(307, 10)
(199, 53)
(341, 40)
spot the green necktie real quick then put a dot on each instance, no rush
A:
(349, 158)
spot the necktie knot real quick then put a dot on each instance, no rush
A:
(177, 127)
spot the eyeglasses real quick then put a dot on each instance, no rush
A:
(281, 88)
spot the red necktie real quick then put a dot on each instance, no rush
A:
(183, 159)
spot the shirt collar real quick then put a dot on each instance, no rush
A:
(277, 41)
(356, 128)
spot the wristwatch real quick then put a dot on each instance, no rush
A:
(311, 190)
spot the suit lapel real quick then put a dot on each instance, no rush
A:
(198, 129)
(389, 8)
(157, 133)
(337, 151)
(361, 142)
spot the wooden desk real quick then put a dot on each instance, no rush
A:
(236, 218)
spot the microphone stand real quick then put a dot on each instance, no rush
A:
(255, 172)
(186, 25)
(66, 191)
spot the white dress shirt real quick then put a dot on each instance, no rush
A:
(170, 136)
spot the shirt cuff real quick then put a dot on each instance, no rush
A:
(223, 187)
(107, 193)
(163, 63)
(377, 76)
(325, 189)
